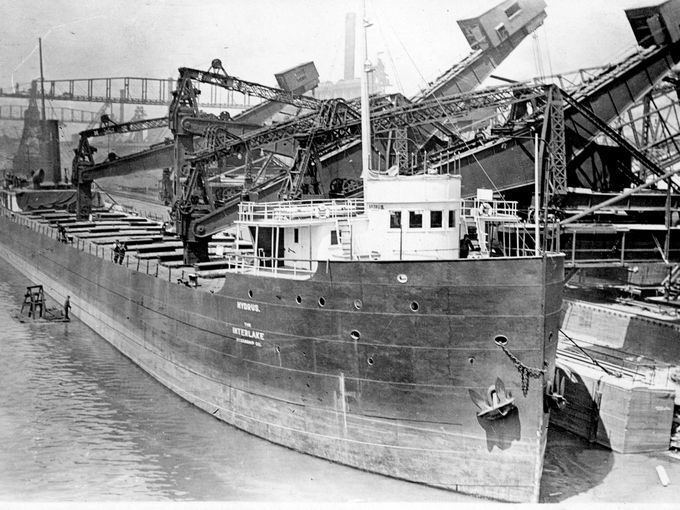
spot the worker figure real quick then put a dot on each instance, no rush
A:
(61, 232)
(116, 251)
(121, 253)
(465, 246)
(67, 307)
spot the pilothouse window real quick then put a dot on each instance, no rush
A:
(435, 219)
(395, 219)
(415, 219)
(452, 219)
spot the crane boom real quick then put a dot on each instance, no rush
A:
(250, 88)
(336, 127)
(126, 127)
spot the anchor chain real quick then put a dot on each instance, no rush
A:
(525, 372)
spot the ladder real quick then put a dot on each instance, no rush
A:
(35, 300)
(345, 237)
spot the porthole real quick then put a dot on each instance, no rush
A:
(414, 306)
(500, 339)
(471, 360)
(298, 299)
(402, 278)
(278, 349)
(550, 336)
(322, 301)
(355, 335)
(358, 304)
(370, 360)
(250, 293)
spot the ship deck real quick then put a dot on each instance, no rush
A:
(153, 250)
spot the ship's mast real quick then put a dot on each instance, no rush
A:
(365, 109)
(42, 79)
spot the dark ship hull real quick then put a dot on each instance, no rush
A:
(369, 364)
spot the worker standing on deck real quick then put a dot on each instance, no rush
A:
(61, 232)
(116, 251)
(121, 253)
(67, 307)
(464, 249)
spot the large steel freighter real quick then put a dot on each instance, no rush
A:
(398, 357)
(358, 330)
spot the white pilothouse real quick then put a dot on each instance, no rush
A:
(415, 217)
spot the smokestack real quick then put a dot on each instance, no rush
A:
(49, 151)
(350, 38)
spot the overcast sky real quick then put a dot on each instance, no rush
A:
(417, 40)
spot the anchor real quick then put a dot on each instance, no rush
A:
(554, 393)
(497, 404)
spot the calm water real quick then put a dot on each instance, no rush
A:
(79, 421)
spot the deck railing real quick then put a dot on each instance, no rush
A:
(272, 266)
(295, 211)
(495, 210)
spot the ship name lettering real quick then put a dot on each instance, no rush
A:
(251, 307)
(255, 335)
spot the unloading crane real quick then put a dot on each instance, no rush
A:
(492, 36)
(540, 108)
(184, 119)
(607, 96)
(633, 76)
(522, 105)
(218, 76)
(198, 215)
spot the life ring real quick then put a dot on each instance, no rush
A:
(323, 212)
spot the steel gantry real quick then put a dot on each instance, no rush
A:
(62, 114)
(653, 123)
(126, 90)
